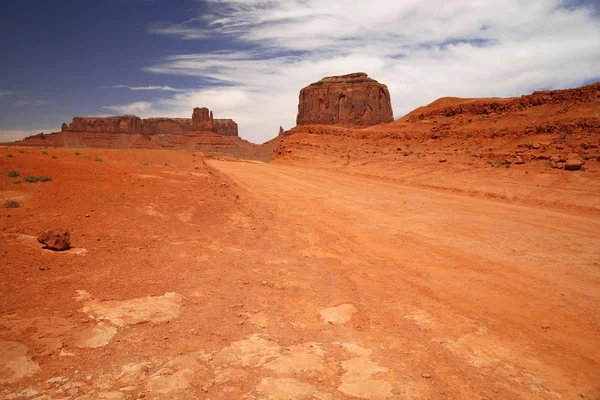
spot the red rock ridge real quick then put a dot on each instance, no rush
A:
(350, 100)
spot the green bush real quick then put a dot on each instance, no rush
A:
(144, 163)
(21, 151)
(99, 159)
(11, 204)
(54, 157)
(15, 181)
(13, 173)
(44, 152)
(468, 135)
(77, 153)
(34, 179)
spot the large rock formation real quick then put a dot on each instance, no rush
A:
(169, 126)
(120, 124)
(202, 120)
(200, 132)
(226, 127)
(348, 100)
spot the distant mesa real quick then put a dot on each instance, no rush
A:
(200, 132)
(352, 100)
(202, 121)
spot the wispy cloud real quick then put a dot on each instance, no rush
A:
(133, 108)
(5, 93)
(421, 49)
(148, 88)
(28, 102)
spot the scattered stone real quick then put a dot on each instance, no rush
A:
(573, 164)
(559, 147)
(552, 164)
(546, 326)
(55, 239)
(536, 146)
(426, 376)
(555, 159)
(519, 160)
(443, 160)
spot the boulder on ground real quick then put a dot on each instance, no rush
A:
(55, 239)
(519, 160)
(573, 164)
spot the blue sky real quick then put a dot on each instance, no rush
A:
(247, 60)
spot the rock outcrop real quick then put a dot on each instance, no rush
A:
(200, 132)
(353, 100)
(226, 127)
(119, 124)
(202, 120)
(168, 126)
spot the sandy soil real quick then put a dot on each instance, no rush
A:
(242, 280)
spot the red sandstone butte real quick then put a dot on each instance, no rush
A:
(226, 127)
(349, 100)
(202, 120)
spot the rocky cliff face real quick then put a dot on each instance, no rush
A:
(120, 124)
(349, 100)
(226, 127)
(169, 126)
(202, 120)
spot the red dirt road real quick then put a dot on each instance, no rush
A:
(237, 280)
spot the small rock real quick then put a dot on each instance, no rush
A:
(552, 164)
(555, 159)
(536, 146)
(584, 145)
(573, 164)
(598, 159)
(546, 326)
(559, 147)
(560, 165)
(442, 160)
(426, 376)
(519, 160)
(55, 239)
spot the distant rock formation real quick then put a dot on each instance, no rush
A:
(169, 126)
(353, 100)
(226, 127)
(202, 121)
(120, 124)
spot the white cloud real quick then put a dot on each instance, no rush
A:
(149, 88)
(422, 49)
(133, 108)
(5, 93)
(14, 135)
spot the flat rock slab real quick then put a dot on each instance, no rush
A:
(338, 315)
(135, 311)
(15, 362)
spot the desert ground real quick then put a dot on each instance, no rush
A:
(194, 277)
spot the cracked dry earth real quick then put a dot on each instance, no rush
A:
(246, 281)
